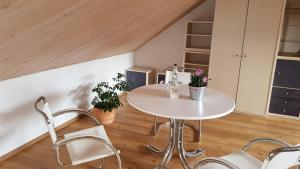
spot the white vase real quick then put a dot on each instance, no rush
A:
(197, 93)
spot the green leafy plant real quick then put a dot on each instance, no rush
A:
(198, 79)
(107, 97)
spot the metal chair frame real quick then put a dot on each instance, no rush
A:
(64, 141)
(286, 148)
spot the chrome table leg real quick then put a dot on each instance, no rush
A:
(171, 146)
(175, 141)
(197, 131)
(155, 149)
(180, 148)
(171, 139)
(193, 153)
(180, 137)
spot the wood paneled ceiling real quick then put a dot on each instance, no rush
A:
(37, 35)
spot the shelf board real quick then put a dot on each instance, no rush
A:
(291, 25)
(197, 64)
(288, 56)
(292, 10)
(199, 50)
(290, 41)
(202, 22)
(286, 88)
(196, 34)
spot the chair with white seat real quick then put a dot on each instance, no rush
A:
(280, 158)
(83, 146)
(183, 78)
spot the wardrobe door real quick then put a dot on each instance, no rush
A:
(228, 34)
(261, 36)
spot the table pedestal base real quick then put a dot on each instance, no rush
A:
(197, 131)
(175, 142)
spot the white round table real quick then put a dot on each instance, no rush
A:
(155, 100)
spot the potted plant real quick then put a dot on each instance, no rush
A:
(198, 84)
(107, 100)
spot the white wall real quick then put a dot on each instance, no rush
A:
(64, 87)
(167, 48)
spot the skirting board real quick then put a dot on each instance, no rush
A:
(39, 138)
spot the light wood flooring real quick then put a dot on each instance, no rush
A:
(130, 133)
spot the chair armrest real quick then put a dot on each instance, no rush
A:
(270, 140)
(276, 151)
(216, 160)
(59, 143)
(40, 99)
(80, 111)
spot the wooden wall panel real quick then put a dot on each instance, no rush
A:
(37, 35)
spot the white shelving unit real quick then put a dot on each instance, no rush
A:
(197, 50)
(290, 36)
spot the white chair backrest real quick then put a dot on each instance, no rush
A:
(183, 77)
(47, 114)
(285, 159)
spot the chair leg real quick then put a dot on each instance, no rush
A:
(101, 164)
(157, 125)
(199, 131)
(196, 130)
(154, 129)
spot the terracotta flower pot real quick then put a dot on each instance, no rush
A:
(104, 117)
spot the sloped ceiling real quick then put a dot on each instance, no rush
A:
(37, 35)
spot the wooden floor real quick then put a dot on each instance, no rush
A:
(130, 134)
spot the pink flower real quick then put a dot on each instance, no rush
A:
(205, 79)
(199, 72)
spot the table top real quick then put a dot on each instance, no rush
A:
(155, 100)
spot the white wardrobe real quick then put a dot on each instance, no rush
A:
(245, 37)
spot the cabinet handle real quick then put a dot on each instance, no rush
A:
(237, 55)
(285, 101)
(244, 56)
(277, 73)
(283, 110)
(210, 79)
